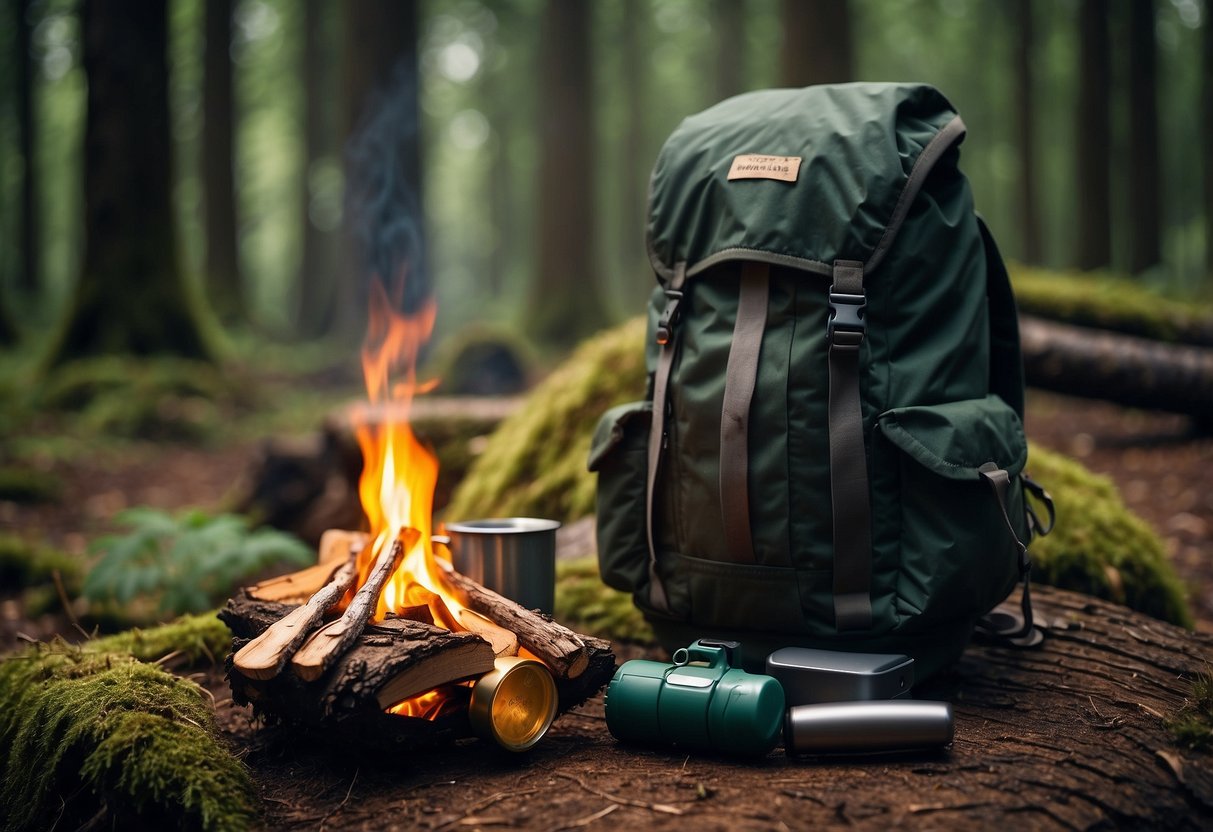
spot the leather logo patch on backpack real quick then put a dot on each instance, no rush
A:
(758, 166)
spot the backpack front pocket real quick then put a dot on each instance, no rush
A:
(619, 455)
(958, 558)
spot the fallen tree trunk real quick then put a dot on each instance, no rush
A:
(1131, 371)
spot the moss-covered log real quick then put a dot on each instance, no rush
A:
(96, 738)
(535, 465)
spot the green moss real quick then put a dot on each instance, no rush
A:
(534, 464)
(28, 485)
(100, 734)
(586, 604)
(1192, 727)
(1110, 302)
(1100, 547)
(26, 564)
(152, 398)
(193, 637)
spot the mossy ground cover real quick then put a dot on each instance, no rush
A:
(1192, 727)
(97, 734)
(535, 465)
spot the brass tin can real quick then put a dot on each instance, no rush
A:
(514, 703)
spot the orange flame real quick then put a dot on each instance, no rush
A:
(399, 474)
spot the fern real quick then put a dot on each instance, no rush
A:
(184, 563)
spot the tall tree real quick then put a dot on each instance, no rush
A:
(383, 216)
(566, 295)
(1206, 87)
(1145, 167)
(1025, 122)
(1092, 153)
(817, 46)
(636, 153)
(131, 296)
(728, 24)
(218, 171)
(317, 282)
(29, 280)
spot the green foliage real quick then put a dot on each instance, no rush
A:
(153, 398)
(586, 604)
(1192, 727)
(94, 735)
(185, 563)
(1111, 302)
(1100, 547)
(534, 464)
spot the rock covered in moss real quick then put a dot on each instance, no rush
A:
(535, 465)
(1100, 547)
(92, 735)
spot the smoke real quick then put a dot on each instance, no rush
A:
(382, 207)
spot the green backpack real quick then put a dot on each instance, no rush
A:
(831, 449)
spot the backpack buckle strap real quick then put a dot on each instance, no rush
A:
(669, 316)
(846, 326)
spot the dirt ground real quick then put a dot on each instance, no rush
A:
(577, 777)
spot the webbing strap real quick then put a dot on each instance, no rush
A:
(848, 460)
(741, 374)
(1018, 631)
(666, 331)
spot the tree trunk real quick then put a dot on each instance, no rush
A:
(817, 45)
(131, 297)
(1031, 249)
(566, 300)
(30, 278)
(638, 162)
(1094, 130)
(384, 237)
(1206, 93)
(728, 25)
(1145, 170)
(317, 270)
(224, 281)
(1120, 368)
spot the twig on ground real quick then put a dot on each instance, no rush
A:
(484, 804)
(67, 605)
(663, 808)
(344, 801)
(588, 819)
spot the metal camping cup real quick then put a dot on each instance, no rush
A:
(701, 701)
(513, 556)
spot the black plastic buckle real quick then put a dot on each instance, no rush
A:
(846, 327)
(669, 317)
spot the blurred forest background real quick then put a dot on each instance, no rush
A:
(519, 135)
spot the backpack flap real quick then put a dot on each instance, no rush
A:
(799, 177)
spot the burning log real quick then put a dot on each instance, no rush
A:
(266, 655)
(331, 640)
(505, 643)
(558, 647)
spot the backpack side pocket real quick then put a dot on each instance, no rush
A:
(619, 455)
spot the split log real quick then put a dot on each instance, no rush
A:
(1131, 371)
(266, 655)
(336, 546)
(557, 646)
(344, 707)
(320, 651)
(505, 642)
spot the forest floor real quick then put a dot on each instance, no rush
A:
(577, 774)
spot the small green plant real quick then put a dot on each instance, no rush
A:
(184, 563)
(1192, 727)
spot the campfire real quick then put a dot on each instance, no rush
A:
(382, 631)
